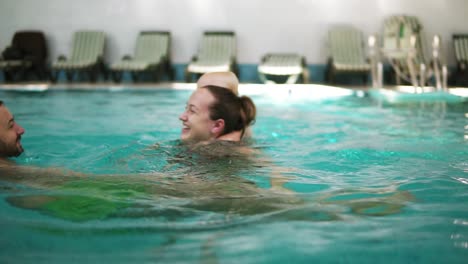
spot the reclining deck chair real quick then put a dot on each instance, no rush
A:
(288, 66)
(347, 53)
(27, 54)
(87, 56)
(398, 49)
(460, 77)
(152, 54)
(217, 52)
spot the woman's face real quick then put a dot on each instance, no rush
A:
(196, 122)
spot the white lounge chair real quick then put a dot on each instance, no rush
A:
(152, 55)
(87, 56)
(217, 53)
(347, 53)
(287, 66)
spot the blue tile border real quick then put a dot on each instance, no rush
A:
(247, 74)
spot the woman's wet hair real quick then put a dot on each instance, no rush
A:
(237, 112)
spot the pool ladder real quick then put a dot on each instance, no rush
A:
(437, 68)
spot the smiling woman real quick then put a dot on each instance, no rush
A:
(214, 112)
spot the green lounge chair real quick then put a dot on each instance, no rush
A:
(347, 53)
(398, 49)
(276, 67)
(217, 53)
(152, 54)
(460, 44)
(87, 56)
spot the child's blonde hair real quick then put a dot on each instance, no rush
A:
(226, 80)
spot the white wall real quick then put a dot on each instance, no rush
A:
(261, 25)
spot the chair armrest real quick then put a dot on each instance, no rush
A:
(12, 53)
(462, 64)
(265, 57)
(30, 57)
(127, 57)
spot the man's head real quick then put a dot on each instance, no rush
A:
(222, 79)
(10, 134)
(214, 111)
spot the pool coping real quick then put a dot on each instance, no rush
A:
(244, 88)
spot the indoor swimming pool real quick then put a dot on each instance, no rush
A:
(367, 180)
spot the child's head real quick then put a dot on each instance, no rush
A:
(222, 79)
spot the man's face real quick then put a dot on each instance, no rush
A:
(196, 123)
(10, 134)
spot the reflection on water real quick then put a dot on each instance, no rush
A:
(361, 175)
(194, 181)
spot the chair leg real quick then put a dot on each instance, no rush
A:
(116, 76)
(53, 75)
(188, 76)
(235, 69)
(397, 73)
(37, 74)
(331, 75)
(305, 75)
(15, 74)
(21, 74)
(103, 70)
(156, 74)
(134, 77)
(44, 73)
(262, 77)
(167, 69)
(69, 75)
(170, 71)
(92, 73)
(292, 79)
(328, 69)
(95, 71)
(7, 74)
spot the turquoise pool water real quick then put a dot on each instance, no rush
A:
(373, 181)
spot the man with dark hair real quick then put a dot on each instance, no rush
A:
(10, 146)
(10, 134)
